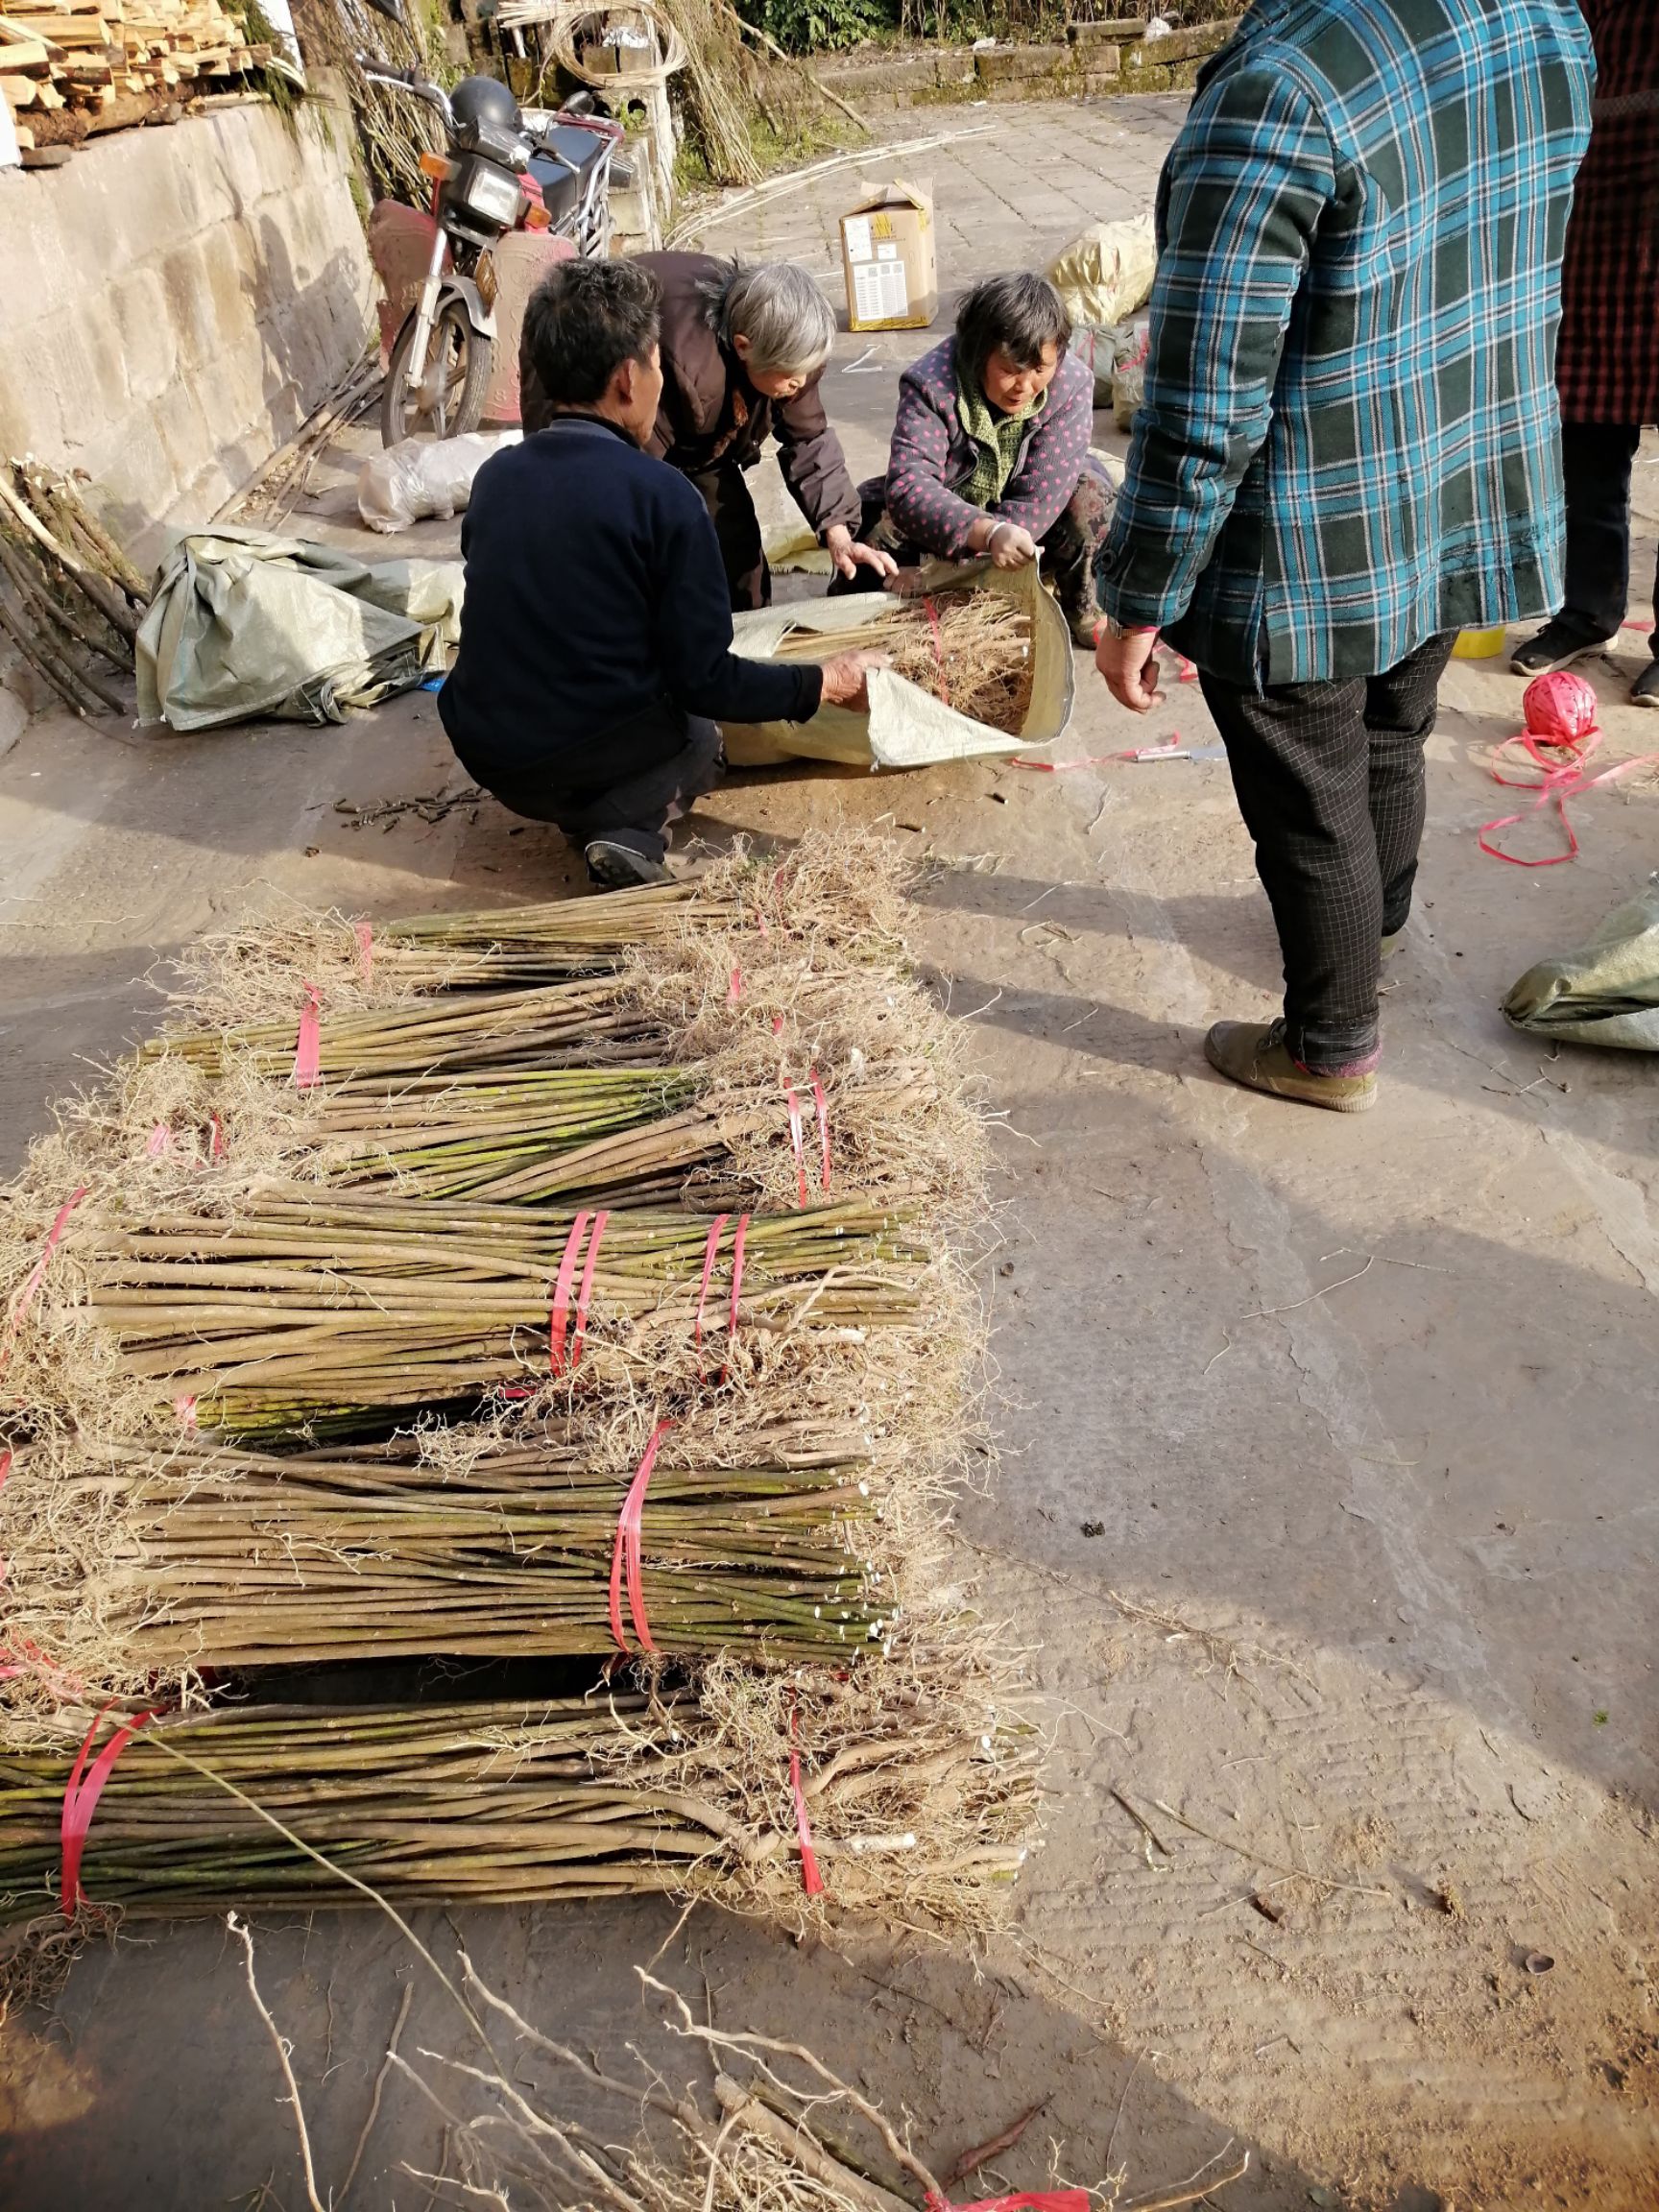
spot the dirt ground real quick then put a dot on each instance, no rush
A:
(1353, 1687)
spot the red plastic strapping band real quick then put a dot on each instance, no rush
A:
(777, 1025)
(734, 991)
(586, 1291)
(160, 1141)
(625, 1552)
(366, 949)
(44, 1666)
(186, 1408)
(938, 651)
(216, 1139)
(86, 1786)
(797, 1138)
(308, 1044)
(557, 1319)
(1560, 778)
(737, 1241)
(823, 1105)
(710, 1250)
(25, 1297)
(811, 1881)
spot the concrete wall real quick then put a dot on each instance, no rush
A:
(175, 301)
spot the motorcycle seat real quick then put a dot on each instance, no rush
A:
(559, 186)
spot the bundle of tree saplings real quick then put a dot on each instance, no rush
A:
(967, 647)
(463, 1032)
(837, 895)
(140, 1566)
(296, 1311)
(724, 1069)
(915, 1795)
(876, 1103)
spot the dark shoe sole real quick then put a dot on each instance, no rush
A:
(619, 867)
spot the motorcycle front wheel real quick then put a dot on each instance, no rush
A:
(450, 399)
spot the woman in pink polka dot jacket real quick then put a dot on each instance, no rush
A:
(990, 453)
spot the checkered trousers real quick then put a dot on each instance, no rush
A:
(1607, 365)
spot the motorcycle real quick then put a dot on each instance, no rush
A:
(499, 175)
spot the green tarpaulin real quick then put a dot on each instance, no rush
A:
(243, 624)
(1607, 991)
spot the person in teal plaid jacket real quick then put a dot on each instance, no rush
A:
(1349, 447)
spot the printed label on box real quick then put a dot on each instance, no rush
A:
(855, 229)
(886, 252)
(880, 293)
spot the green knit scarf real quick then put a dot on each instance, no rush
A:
(997, 438)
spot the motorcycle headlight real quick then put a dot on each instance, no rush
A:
(492, 192)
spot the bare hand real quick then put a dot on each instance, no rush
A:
(846, 680)
(1011, 547)
(904, 583)
(1130, 667)
(850, 556)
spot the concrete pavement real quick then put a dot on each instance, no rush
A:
(1364, 1411)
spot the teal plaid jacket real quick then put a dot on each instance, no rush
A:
(1350, 439)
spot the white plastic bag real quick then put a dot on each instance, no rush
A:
(422, 477)
(1129, 379)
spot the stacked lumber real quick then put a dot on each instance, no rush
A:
(72, 68)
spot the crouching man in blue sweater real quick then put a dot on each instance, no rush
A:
(596, 637)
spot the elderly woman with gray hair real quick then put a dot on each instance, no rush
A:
(743, 350)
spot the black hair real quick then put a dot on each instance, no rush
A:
(582, 320)
(1018, 311)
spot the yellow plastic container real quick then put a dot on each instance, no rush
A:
(1480, 644)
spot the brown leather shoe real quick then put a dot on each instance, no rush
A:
(1255, 1053)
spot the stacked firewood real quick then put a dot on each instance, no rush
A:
(70, 68)
(70, 599)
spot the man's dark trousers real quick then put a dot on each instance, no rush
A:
(1331, 785)
(1596, 459)
(645, 774)
(730, 509)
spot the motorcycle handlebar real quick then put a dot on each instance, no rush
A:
(407, 81)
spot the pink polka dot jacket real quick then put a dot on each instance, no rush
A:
(932, 456)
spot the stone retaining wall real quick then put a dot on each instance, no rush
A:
(175, 301)
(1095, 59)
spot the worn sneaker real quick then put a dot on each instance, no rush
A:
(1255, 1053)
(619, 867)
(1557, 645)
(1644, 691)
(1392, 940)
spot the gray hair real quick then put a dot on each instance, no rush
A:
(776, 306)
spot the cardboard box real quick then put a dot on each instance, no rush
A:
(889, 258)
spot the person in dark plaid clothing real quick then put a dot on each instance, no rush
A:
(1349, 447)
(1607, 364)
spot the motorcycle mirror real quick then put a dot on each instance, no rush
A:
(392, 10)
